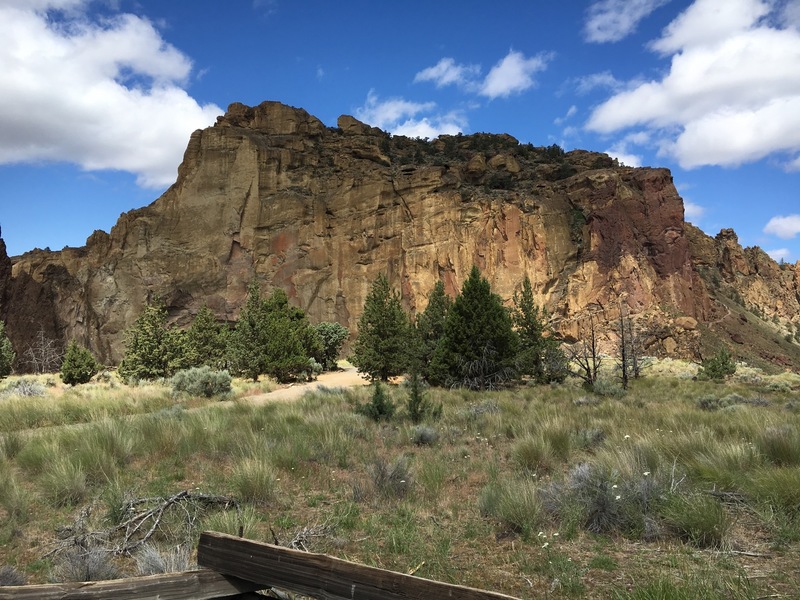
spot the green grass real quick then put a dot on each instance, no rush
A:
(663, 487)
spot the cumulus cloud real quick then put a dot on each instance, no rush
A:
(513, 74)
(448, 72)
(101, 94)
(732, 94)
(413, 119)
(613, 20)
(784, 227)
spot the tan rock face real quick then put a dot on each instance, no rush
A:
(270, 192)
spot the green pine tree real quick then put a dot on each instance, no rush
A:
(539, 354)
(381, 348)
(153, 349)
(79, 365)
(7, 354)
(479, 344)
(429, 330)
(205, 341)
(248, 340)
(272, 337)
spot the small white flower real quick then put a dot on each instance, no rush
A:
(613, 487)
(540, 534)
(618, 497)
(555, 534)
(646, 473)
(545, 545)
(627, 437)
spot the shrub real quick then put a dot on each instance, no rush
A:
(202, 381)
(152, 561)
(25, 387)
(79, 365)
(608, 389)
(10, 576)
(85, 564)
(391, 480)
(717, 367)
(423, 435)
(381, 407)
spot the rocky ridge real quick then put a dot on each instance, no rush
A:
(270, 192)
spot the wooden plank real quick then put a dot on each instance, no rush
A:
(319, 575)
(200, 584)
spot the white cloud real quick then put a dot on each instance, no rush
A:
(412, 119)
(784, 227)
(103, 95)
(599, 80)
(779, 254)
(732, 94)
(447, 72)
(570, 113)
(692, 212)
(513, 74)
(613, 20)
(624, 156)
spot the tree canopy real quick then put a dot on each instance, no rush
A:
(381, 348)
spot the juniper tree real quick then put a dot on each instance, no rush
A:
(381, 347)
(206, 341)
(153, 348)
(429, 329)
(540, 355)
(332, 337)
(479, 345)
(79, 364)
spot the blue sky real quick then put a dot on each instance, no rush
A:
(98, 98)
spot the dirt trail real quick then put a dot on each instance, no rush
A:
(346, 376)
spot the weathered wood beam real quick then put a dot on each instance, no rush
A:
(201, 584)
(319, 575)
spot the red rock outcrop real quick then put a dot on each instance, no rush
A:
(270, 192)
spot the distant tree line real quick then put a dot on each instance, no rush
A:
(271, 337)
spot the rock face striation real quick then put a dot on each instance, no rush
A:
(270, 192)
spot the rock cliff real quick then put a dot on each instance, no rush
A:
(270, 192)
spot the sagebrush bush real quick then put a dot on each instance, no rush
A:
(84, 564)
(392, 480)
(202, 381)
(151, 560)
(10, 576)
(422, 435)
(25, 387)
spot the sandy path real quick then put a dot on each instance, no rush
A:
(346, 376)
